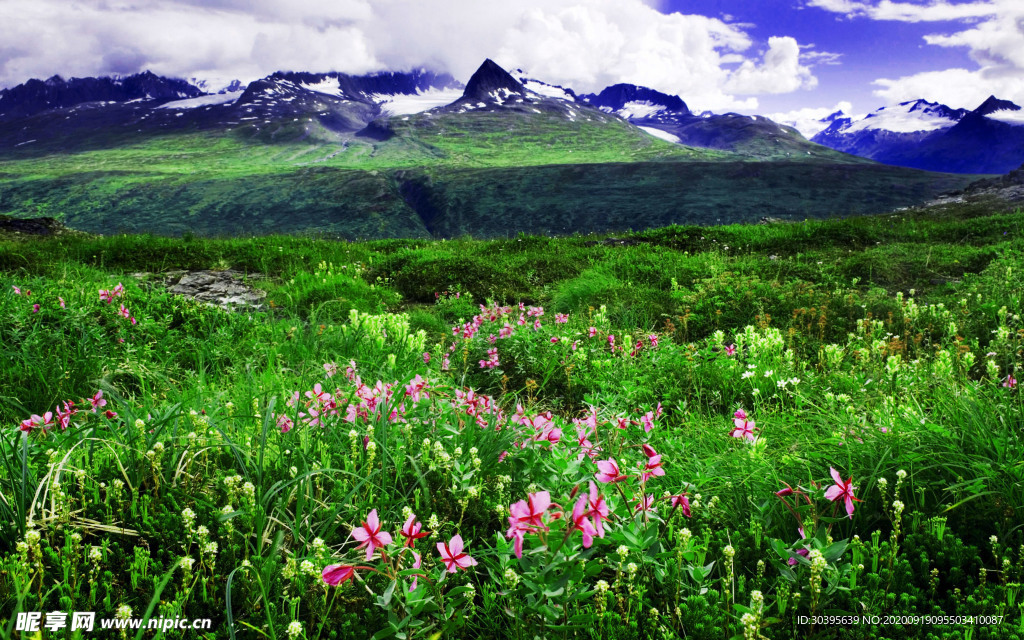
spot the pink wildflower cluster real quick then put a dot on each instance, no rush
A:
(528, 517)
(360, 401)
(371, 537)
(109, 296)
(64, 413)
(492, 359)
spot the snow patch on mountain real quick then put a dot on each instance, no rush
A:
(906, 117)
(204, 101)
(328, 86)
(1008, 116)
(639, 109)
(658, 133)
(810, 121)
(548, 90)
(900, 122)
(402, 104)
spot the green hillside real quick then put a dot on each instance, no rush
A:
(482, 172)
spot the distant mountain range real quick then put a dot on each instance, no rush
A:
(932, 136)
(417, 153)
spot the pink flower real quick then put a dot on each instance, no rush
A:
(741, 414)
(611, 339)
(64, 415)
(61, 301)
(526, 515)
(580, 522)
(561, 318)
(730, 350)
(609, 471)
(743, 429)
(592, 332)
(123, 312)
(452, 555)
(35, 308)
(645, 503)
(681, 501)
(654, 340)
(110, 414)
(1011, 382)
(554, 339)
(415, 388)
(97, 401)
(652, 468)
(426, 358)
(336, 574)
(597, 509)
(284, 423)
(370, 535)
(318, 393)
(648, 421)
(412, 531)
(41, 422)
(330, 369)
(841, 490)
(17, 291)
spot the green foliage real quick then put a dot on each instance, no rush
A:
(221, 484)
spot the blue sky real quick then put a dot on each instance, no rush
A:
(869, 53)
(866, 49)
(793, 60)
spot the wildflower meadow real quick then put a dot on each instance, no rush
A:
(798, 431)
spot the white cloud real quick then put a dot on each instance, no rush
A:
(808, 120)
(906, 11)
(957, 88)
(779, 72)
(586, 44)
(991, 31)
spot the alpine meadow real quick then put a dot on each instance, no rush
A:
(468, 353)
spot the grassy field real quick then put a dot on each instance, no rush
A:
(570, 410)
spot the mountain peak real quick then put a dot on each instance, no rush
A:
(490, 79)
(993, 104)
(618, 96)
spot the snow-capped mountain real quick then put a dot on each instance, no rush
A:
(927, 135)
(42, 111)
(667, 117)
(36, 96)
(492, 88)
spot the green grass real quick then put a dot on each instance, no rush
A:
(875, 345)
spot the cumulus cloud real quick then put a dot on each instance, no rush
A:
(808, 121)
(992, 33)
(586, 44)
(779, 72)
